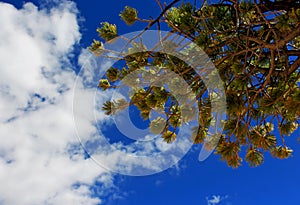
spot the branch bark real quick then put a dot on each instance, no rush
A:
(294, 66)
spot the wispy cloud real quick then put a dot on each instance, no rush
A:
(215, 199)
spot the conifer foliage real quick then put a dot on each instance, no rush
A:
(255, 46)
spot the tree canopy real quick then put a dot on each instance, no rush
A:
(255, 46)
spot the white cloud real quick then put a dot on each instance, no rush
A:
(40, 158)
(215, 199)
(38, 161)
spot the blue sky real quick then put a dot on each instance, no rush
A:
(191, 182)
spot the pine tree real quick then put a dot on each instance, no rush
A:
(255, 46)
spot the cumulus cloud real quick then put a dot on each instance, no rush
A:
(41, 161)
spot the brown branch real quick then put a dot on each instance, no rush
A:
(290, 36)
(273, 46)
(267, 5)
(161, 14)
(294, 66)
(267, 80)
(152, 22)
